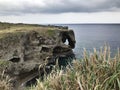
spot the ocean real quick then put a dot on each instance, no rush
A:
(91, 36)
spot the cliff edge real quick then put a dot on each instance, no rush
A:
(24, 47)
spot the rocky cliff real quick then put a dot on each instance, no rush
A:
(27, 47)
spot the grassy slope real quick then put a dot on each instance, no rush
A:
(95, 71)
(9, 28)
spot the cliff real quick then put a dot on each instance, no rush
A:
(24, 48)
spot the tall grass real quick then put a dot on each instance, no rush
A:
(4, 79)
(96, 71)
(4, 82)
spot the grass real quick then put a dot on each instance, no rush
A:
(4, 83)
(3, 63)
(50, 32)
(4, 79)
(96, 71)
(7, 28)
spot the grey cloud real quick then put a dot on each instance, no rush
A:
(19, 7)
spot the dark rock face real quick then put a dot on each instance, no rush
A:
(32, 49)
(70, 36)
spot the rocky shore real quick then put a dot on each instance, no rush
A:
(26, 48)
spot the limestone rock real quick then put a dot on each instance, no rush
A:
(27, 49)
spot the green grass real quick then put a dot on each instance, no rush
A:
(4, 63)
(50, 32)
(96, 71)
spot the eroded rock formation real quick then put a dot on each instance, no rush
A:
(28, 50)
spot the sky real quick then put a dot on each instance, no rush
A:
(60, 11)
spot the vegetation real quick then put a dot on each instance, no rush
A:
(95, 71)
(8, 29)
(10, 33)
(4, 80)
(3, 63)
(51, 32)
(4, 85)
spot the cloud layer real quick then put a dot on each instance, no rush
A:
(18, 7)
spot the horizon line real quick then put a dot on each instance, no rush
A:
(61, 23)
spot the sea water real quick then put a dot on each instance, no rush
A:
(91, 36)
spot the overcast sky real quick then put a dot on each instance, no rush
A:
(60, 11)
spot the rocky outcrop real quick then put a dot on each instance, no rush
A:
(28, 50)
